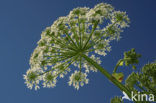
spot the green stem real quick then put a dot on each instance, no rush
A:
(108, 75)
(117, 65)
(75, 35)
(80, 63)
(83, 33)
(79, 30)
(59, 41)
(70, 61)
(101, 35)
(71, 39)
(94, 27)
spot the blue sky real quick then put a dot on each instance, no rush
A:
(21, 23)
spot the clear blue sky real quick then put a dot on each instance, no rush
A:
(22, 21)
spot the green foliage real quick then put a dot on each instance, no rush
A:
(147, 78)
(143, 81)
(116, 100)
(131, 79)
(131, 58)
(149, 70)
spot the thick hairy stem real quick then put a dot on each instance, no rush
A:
(108, 75)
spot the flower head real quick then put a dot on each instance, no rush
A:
(84, 31)
(32, 79)
(49, 79)
(78, 79)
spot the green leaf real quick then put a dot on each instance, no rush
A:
(131, 80)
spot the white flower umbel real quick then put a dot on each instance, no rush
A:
(49, 79)
(84, 31)
(32, 78)
(78, 79)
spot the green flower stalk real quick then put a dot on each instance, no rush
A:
(79, 39)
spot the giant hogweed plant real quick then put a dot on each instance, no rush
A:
(79, 39)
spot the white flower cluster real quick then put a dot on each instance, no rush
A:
(32, 79)
(78, 79)
(99, 12)
(83, 31)
(49, 79)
